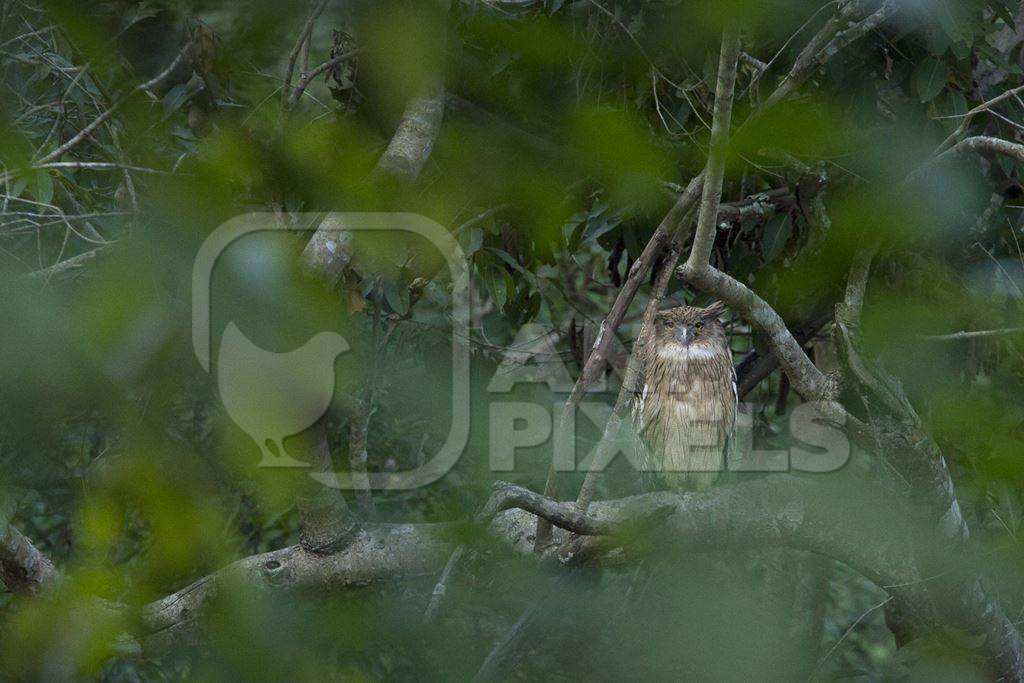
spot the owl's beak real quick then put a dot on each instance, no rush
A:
(686, 335)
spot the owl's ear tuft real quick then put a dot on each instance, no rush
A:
(715, 310)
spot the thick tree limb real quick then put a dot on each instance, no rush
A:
(406, 153)
(327, 522)
(899, 437)
(866, 530)
(413, 141)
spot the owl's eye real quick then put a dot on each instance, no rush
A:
(669, 323)
(698, 326)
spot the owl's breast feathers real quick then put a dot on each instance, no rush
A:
(685, 410)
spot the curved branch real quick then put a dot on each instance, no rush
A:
(807, 379)
(981, 144)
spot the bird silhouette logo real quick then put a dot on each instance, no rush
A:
(271, 395)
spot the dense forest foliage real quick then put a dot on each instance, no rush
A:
(844, 176)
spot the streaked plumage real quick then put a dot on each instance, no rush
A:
(685, 407)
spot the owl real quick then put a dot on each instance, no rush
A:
(686, 399)
(341, 78)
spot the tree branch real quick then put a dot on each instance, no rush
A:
(807, 379)
(23, 567)
(981, 144)
(969, 117)
(327, 522)
(975, 334)
(829, 517)
(304, 34)
(707, 219)
(755, 367)
(849, 311)
(827, 43)
(413, 141)
(307, 77)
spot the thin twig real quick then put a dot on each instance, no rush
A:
(308, 77)
(969, 116)
(704, 237)
(307, 29)
(848, 631)
(826, 44)
(975, 334)
(65, 265)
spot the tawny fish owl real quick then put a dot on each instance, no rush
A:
(686, 400)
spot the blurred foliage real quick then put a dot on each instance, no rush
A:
(570, 127)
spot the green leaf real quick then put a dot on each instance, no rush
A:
(498, 285)
(19, 186)
(929, 79)
(175, 97)
(514, 265)
(44, 187)
(954, 105)
(961, 50)
(476, 239)
(397, 296)
(600, 226)
(776, 234)
(1002, 11)
(951, 20)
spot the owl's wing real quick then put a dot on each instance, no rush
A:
(731, 434)
(644, 405)
(641, 394)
